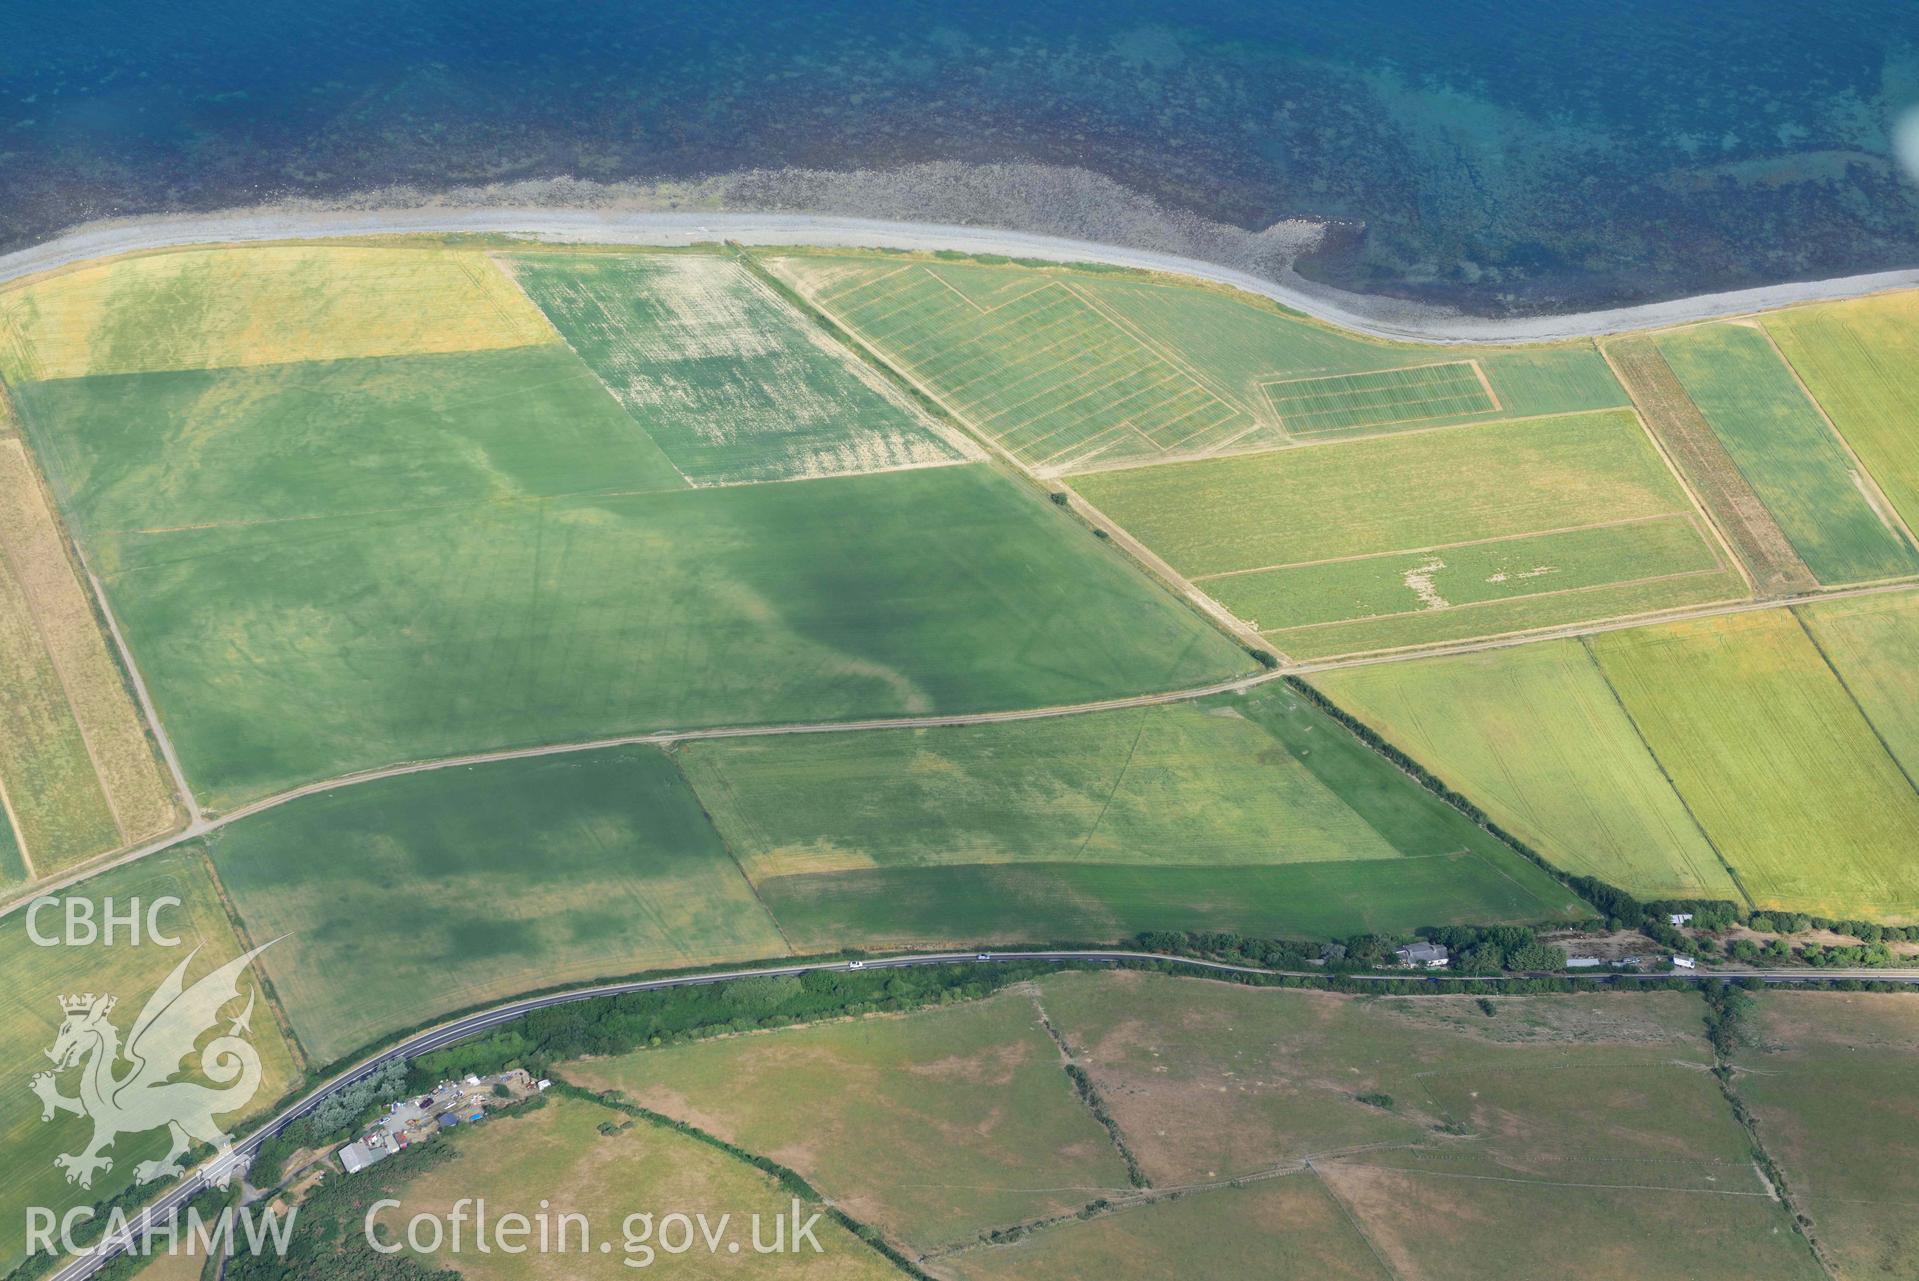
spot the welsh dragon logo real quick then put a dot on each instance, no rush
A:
(145, 1096)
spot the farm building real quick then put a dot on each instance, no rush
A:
(1422, 955)
(359, 1154)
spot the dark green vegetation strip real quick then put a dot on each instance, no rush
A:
(618, 1024)
(1038, 900)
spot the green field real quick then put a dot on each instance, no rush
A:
(1475, 530)
(598, 1162)
(732, 383)
(1252, 812)
(1070, 370)
(1873, 643)
(1787, 452)
(412, 896)
(305, 649)
(1774, 758)
(37, 977)
(1393, 585)
(328, 565)
(1539, 741)
(1238, 342)
(1861, 361)
(931, 1127)
(1828, 1077)
(262, 448)
(1029, 360)
(1334, 403)
(1045, 902)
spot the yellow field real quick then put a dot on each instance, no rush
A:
(79, 772)
(1873, 643)
(261, 305)
(1861, 361)
(1774, 758)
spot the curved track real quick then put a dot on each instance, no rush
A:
(1380, 317)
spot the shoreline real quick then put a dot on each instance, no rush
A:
(1373, 315)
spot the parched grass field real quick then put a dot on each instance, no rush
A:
(1211, 1081)
(1775, 759)
(730, 381)
(77, 772)
(1444, 1229)
(1873, 643)
(1027, 358)
(1537, 739)
(1787, 451)
(932, 1126)
(1828, 1078)
(1240, 812)
(54, 800)
(409, 897)
(561, 1158)
(1397, 1136)
(1470, 531)
(1285, 1229)
(1861, 361)
(258, 305)
(30, 1015)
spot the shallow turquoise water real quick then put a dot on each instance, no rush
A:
(1499, 153)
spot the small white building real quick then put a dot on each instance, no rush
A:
(1424, 956)
(1678, 919)
(1583, 962)
(359, 1154)
(1684, 963)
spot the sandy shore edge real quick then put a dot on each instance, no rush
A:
(1380, 317)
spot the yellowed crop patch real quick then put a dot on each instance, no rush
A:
(79, 719)
(261, 305)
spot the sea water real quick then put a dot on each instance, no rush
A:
(1502, 155)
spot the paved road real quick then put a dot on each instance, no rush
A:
(1382, 317)
(459, 1029)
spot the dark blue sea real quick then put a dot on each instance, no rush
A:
(1503, 155)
